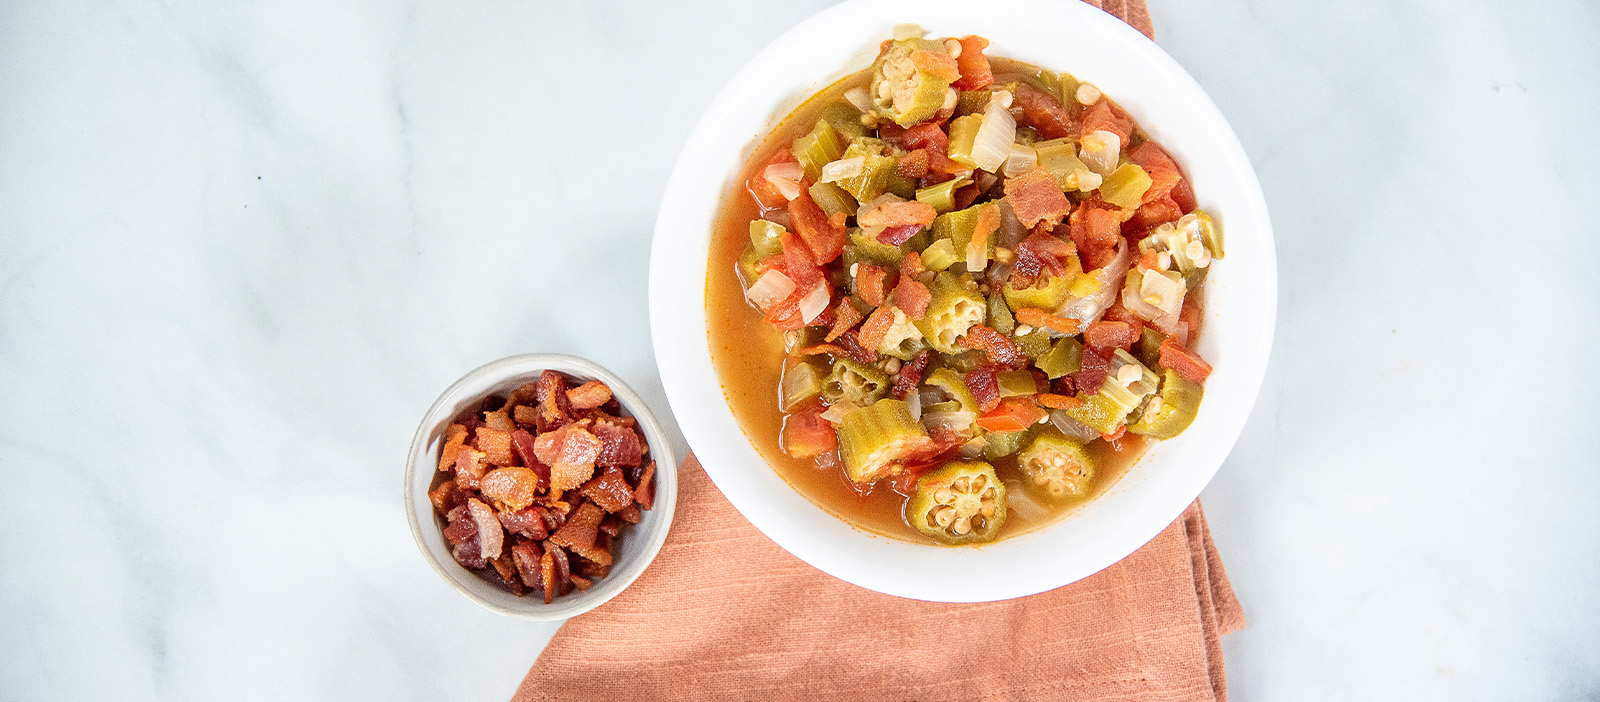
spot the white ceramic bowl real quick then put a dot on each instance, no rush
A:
(640, 542)
(1241, 297)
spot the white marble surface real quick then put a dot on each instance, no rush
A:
(243, 245)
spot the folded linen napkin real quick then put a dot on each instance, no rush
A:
(725, 614)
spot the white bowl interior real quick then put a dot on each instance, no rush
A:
(640, 542)
(1239, 313)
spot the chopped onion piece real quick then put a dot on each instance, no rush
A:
(843, 169)
(1162, 291)
(1020, 502)
(1072, 428)
(914, 403)
(1100, 151)
(958, 420)
(906, 31)
(977, 256)
(1135, 303)
(1087, 309)
(860, 99)
(770, 289)
(814, 303)
(996, 134)
(786, 178)
(836, 413)
(1022, 159)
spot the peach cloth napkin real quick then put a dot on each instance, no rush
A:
(725, 614)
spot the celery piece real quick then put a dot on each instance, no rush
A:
(854, 384)
(801, 381)
(1179, 403)
(971, 102)
(844, 117)
(873, 438)
(1148, 350)
(1048, 82)
(1125, 186)
(1069, 89)
(900, 91)
(749, 267)
(1048, 293)
(1006, 443)
(963, 133)
(881, 254)
(946, 406)
(903, 187)
(817, 148)
(959, 226)
(1057, 465)
(1016, 383)
(1105, 410)
(939, 255)
(832, 198)
(876, 168)
(942, 197)
(954, 307)
(950, 382)
(1210, 233)
(1035, 343)
(1065, 358)
(1000, 315)
(764, 237)
(1060, 157)
(1148, 381)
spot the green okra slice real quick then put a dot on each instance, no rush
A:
(1015, 383)
(873, 438)
(1057, 465)
(942, 197)
(1107, 409)
(832, 198)
(962, 502)
(1035, 343)
(817, 148)
(750, 267)
(939, 255)
(1065, 358)
(1171, 412)
(854, 384)
(844, 117)
(1000, 318)
(999, 446)
(954, 306)
(963, 135)
(876, 168)
(950, 382)
(1060, 158)
(881, 254)
(764, 237)
(1049, 293)
(900, 91)
(1148, 349)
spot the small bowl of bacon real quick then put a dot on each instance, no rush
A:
(540, 486)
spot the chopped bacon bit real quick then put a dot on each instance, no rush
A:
(1040, 318)
(447, 496)
(645, 492)
(985, 386)
(1091, 371)
(455, 435)
(499, 420)
(871, 284)
(1118, 313)
(912, 297)
(609, 491)
(589, 395)
(579, 533)
(1036, 197)
(899, 214)
(630, 514)
(911, 265)
(1054, 401)
(897, 235)
(554, 408)
(1040, 251)
(910, 375)
(525, 414)
(938, 63)
(490, 536)
(1095, 231)
(570, 452)
(1153, 214)
(512, 486)
(966, 195)
(1043, 112)
(496, 446)
(1001, 350)
(1105, 337)
(845, 316)
(528, 522)
(824, 236)
(548, 582)
(469, 467)
(523, 443)
(1103, 116)
(620, 445)
(1163, 171)
(876, 327)
(823, 349)
(525, 556)
(851, 343)
(579, 582)
(459, 527)
(974, 66)
(1187, 363)
(913, 164)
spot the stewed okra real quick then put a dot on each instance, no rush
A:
(987, 279)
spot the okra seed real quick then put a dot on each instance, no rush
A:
(961, 484)
(944, 496)
(943, 516)
(986, 510)
(962, 526)
(1024, 330)
(979, 522)
(978, 481)
(1087, 94)
(954, 47)
(892, 365)
(989, 494)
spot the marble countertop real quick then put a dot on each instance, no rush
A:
(244, 245)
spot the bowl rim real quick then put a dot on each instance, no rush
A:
(684, 355)
(520, 366)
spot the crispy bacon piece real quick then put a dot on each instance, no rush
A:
(487, 538)
(645, 492)
(1064, 386)
(1054, 401)
(910, 375)
(1105, 337)
(913, 165)
(512, 486)
(554, 408)
(499, 420)
(447, 496)
(590, 569)
(550, 576)
(850, 342)
(526, 414)
(1187, 363)
(899, 234)
(580, 582)
(912, 297)
(1040, 318)
(1118, 313)
(454, 436)
(609, 491)
(899, 214)
(876, 327)
(589, 395)
(496, 446)
(845, 317)
(984, 383)
(525, 556)
(871, 284)
(825, 237)
(579, 533)
(459, 527)
(1036, 197)
(1153, 214)
(1000, 349)
(570, 452)
(524, 445)
(974, 66)
(469, 467)
(1043, 112)
(1095, 231)
(630, 514)
(620, 445)
(1092, 371)
(507, 571)
(911, 265)
(527, 522)
(1041, 251)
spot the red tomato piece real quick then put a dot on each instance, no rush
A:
(806, 434)
(1012, 414)
(974, 66)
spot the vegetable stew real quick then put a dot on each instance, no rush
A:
(953, 296)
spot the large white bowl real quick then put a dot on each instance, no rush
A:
(1241, 295)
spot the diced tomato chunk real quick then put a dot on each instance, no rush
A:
(1187, 363)
(806, 434)
(1012, 414)
(1152, 214)
(825, 237)
(1036, 197)
(765, 193)
(799, 263)
(1103, 116)
(984, 382)
(975, 72)
(1095, 231)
